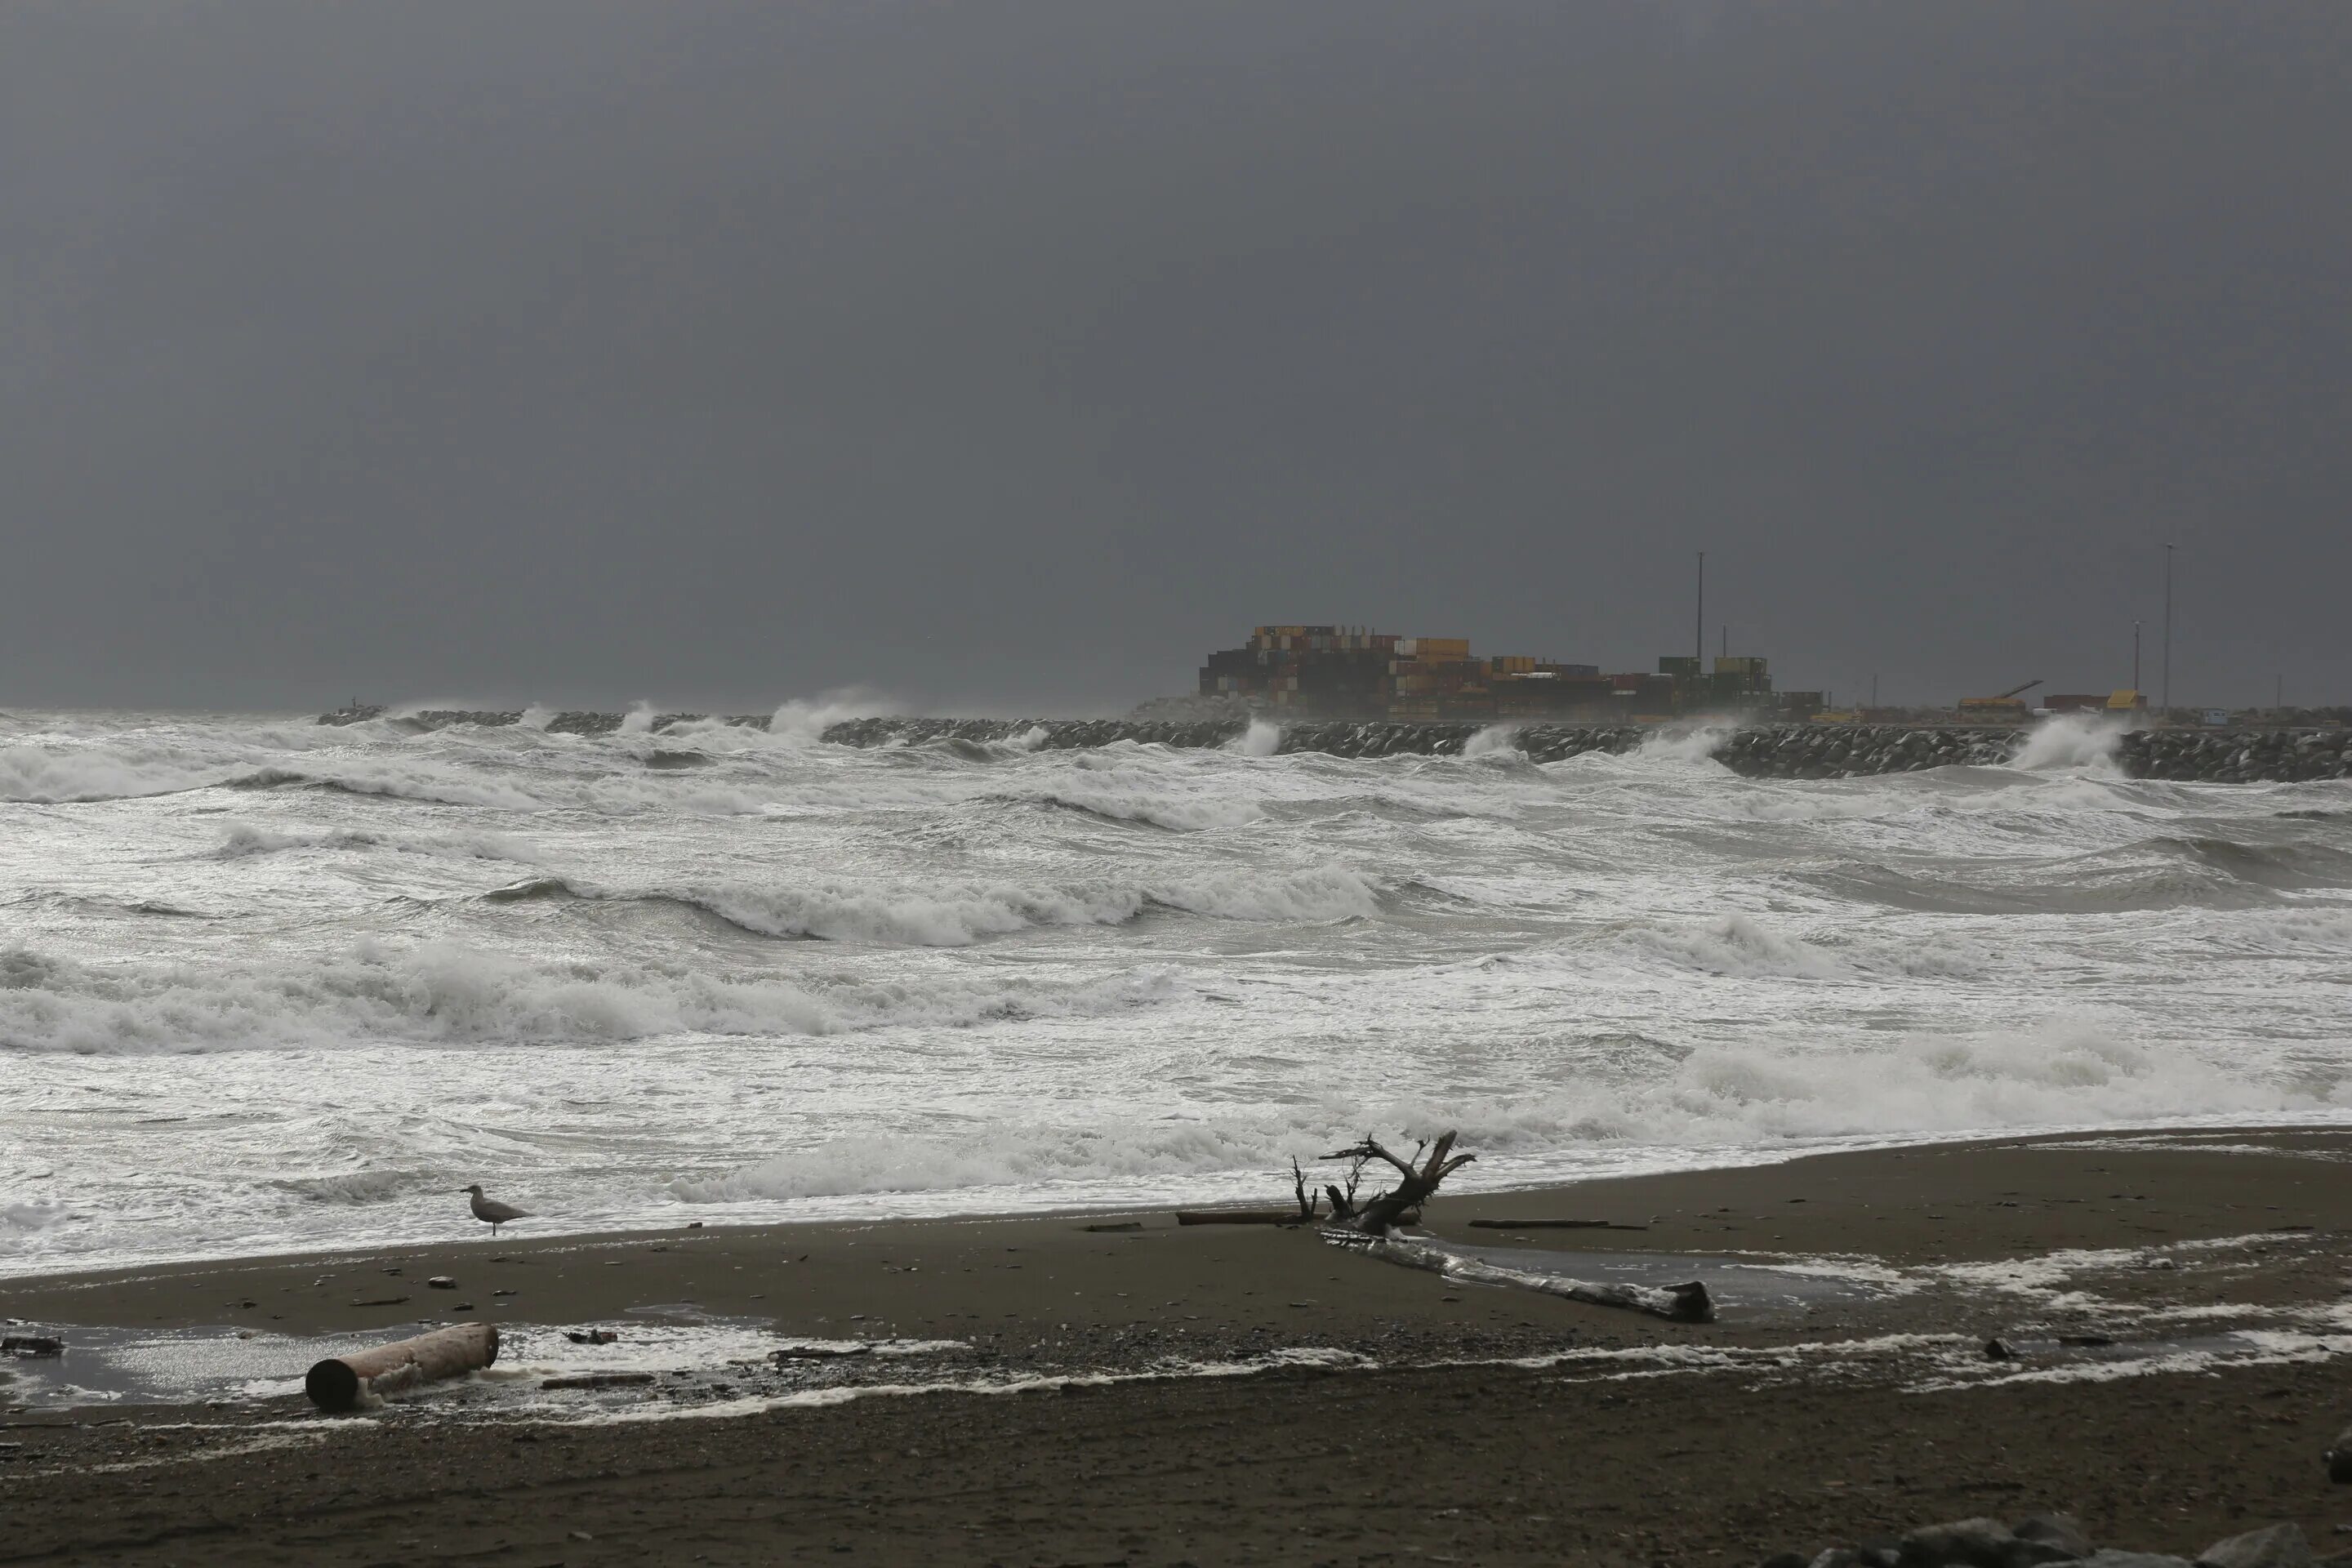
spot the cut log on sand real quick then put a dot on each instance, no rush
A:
(1681, 1303)
(344, 1383)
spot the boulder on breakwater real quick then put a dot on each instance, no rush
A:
(2048, 1539)
(1763, 751)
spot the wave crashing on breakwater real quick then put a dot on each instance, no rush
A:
(1764, 750)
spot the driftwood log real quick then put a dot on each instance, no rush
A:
(1371, 1224)
(1687, 1303)
(347, 1382)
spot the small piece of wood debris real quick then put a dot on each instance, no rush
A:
(442, 1282)
(1118, 1226)
(598, 1380)
(591, 1336)
(381, 1301)
(818, 1352)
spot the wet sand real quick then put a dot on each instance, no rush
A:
(1606, 1448)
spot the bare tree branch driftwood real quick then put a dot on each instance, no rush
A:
(1417, 1180)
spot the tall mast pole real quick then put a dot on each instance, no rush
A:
(2168, 628)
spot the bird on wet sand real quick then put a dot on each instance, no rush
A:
(490, 1209)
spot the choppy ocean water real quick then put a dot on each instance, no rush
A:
(268, 985)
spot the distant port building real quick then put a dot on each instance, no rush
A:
(1354, 672)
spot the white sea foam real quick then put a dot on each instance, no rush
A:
(803, 722)
(1262, 738)
(1715, 1100)
(1696, 744)
(1494, 740)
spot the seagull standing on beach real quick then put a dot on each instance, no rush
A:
(490, 1209)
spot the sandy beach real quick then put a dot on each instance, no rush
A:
(2170, 1303)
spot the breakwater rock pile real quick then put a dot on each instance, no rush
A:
(2237, 756)
(1764, 750)
(1332, 738)
(1849, 750)
(571, 721)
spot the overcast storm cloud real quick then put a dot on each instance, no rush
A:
(1014, 355)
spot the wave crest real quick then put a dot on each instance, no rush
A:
(444, 994)
(958, 914)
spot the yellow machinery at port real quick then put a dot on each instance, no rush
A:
(2003, 706)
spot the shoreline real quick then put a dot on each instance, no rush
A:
(2206, 1181)
(1276, 1195)
(2172, 1307)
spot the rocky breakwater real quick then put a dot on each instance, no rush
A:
(2188, 756)
(2237, 756)
(1333, 738)
(1767, 751)
(1849, 750)
(1036, 734)
(571, 721)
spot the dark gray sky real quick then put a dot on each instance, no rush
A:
(1012, 355)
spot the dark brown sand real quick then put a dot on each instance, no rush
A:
(1603, 1459)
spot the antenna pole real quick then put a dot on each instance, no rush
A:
(1698, 628)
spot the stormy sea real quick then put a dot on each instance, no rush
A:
(267, 984)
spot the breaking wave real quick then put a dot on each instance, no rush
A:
(947, 914)
(1176, 816)
(1742, 946)
(245, 840)
(444, 994)
(42, 776)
